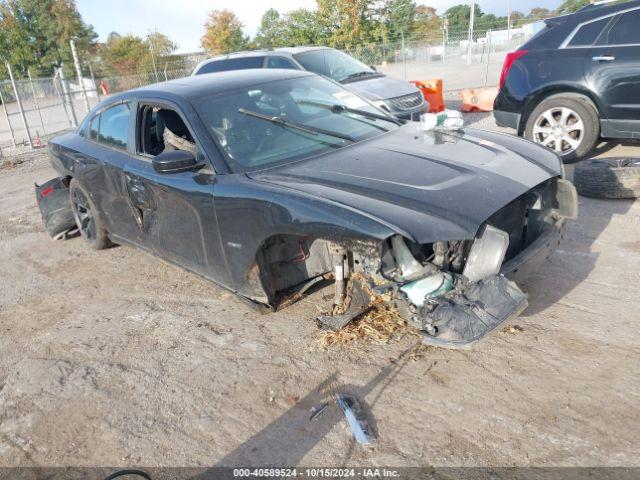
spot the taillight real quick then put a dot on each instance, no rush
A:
(508, 63)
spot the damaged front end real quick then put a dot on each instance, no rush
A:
(457, 291)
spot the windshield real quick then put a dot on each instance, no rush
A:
(286, 120)
(332, 63)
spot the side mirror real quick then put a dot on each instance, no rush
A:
(175, 161)
(373, 67)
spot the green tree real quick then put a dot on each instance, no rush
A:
(36, 34)
(570, 6)
(538, 13)
(125, 54)
(223, 33)
(426, 23)
(400, 15)
(346, 23)
(160, 44)
(272, 30)
(458, 17)
(517, 18)
(301, 27)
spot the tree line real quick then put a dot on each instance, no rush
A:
(35, 34)
(356, 23)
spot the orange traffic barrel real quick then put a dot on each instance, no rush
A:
(432, 93)
(478, 99)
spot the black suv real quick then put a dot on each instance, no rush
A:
(575, 81)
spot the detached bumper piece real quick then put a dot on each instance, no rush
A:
(468, 313)
(55, 206)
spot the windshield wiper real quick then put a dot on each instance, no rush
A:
(338, 108)
(297, 126)
(357, 75)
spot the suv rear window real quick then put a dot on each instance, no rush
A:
(242, 63)
(589, 33)
(626, 31)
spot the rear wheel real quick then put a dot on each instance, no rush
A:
(87, 217)
(567, 125)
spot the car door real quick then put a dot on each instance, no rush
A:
(175, 211)
(109, 134)
(614, 73)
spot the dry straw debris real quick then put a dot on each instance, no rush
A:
(379, 324)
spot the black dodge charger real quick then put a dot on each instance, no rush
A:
(264, 181)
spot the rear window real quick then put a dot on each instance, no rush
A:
(626, 31)
(242, 63)
(280, 62)
(589, 33)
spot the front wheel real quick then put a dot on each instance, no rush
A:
(87, 217)
(567, 125)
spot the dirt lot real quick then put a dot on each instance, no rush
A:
(117, 358)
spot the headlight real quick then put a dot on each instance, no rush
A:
(487, 254)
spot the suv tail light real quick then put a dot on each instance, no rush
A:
(508, 63)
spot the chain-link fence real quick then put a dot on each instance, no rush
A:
(449, 55)
(34, 109)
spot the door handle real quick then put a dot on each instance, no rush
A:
(604, 58)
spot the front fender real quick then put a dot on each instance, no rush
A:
(251, 212)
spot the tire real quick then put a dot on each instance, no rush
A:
(88, 218)
(608, 178)
(567, 112)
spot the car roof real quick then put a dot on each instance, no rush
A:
(592, 11)
(560, 28)
(213, 83)
(264, 52)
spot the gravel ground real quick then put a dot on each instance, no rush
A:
(117, 358)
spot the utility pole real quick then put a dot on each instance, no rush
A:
(508, 21)
(76, 62)
(445, 35)
(472, 17)
(404, 60)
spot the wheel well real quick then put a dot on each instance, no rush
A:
(555, 92)
(284, 261)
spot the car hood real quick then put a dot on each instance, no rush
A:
(380, 87)
(430, 186)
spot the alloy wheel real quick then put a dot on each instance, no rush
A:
(84, 215)
(560, 129)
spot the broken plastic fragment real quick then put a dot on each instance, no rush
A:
(478, 309)
(446, 120)
(431, 286)
(355, 417)
(487, 254)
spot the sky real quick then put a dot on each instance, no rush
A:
(183, 20)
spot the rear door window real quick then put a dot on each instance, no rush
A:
(589, 33)
(626, 31)
(280, 62)
(114, 126)
(242, 63)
